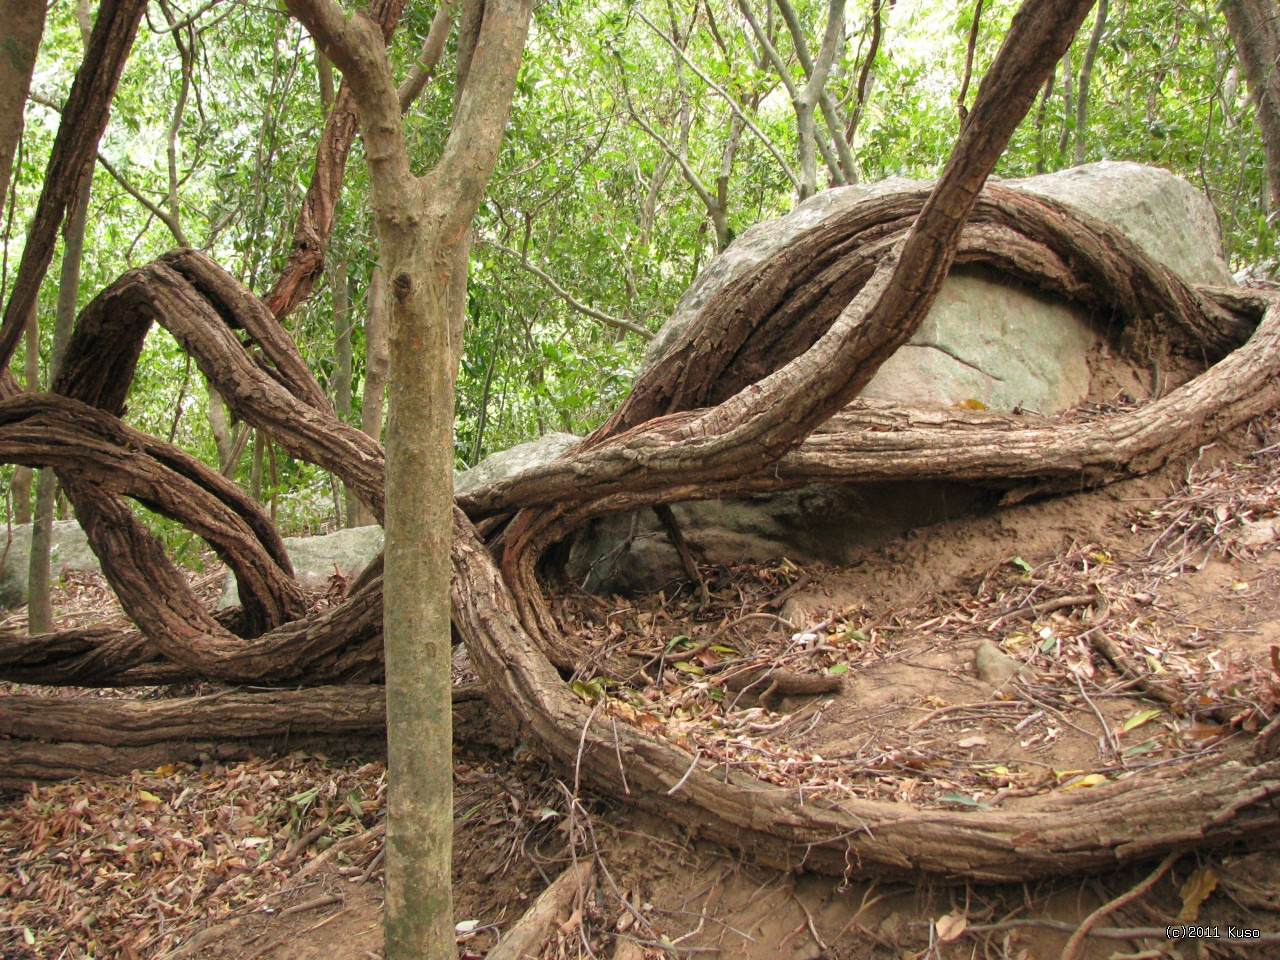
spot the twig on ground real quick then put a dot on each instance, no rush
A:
(1074, 944)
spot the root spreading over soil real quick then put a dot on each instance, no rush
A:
(1136, 631)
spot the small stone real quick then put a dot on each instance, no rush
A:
(1259, 533)
(993, 665)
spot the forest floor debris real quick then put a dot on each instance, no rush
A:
(1130, 629)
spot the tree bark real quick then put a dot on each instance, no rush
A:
(48, 738)
(1255, 30)
(342, 370)
(20, 488)
(319, 207)
(424, 228)
(74, 150)
(40, 572)
(377, 365)
(20, 36)
(1086, 75)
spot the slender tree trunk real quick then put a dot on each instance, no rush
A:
(377, 363)
(1086, 74)
(1068, 105)
(223, 438)
(20, 488)
(867, 72)
(1042, 114)
(342, 367)
(1255, 29)
(40, 569)
(20, 495)
(256, 468)
(424, 229)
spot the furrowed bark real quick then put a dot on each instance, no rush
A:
(74, 149)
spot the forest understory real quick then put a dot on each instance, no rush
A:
(1139, 624)
(1058, 711)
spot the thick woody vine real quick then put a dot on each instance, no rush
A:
(758, 393)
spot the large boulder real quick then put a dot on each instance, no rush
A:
(987, 339)
(1171, 220)
(513, 460)
(316, 559)
(70, 551)
(347, 552)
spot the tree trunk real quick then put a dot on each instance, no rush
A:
(23, 25)
(1255, 29)
(40, 572)
(224, 438)
(1086, 75)
(424, 229)
(377, 364)
(342, 366)
(20, 488)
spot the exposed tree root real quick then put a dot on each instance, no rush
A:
(51, 738)
(757, 393)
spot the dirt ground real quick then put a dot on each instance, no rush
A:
(1051, 645)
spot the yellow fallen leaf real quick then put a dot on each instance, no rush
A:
(970, 404)
(1092, 780)
(1195, 891)
(951, 926)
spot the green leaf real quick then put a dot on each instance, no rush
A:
(838, 668)
(963, 800)
(1139, 718)
(1022, 564)
(305, 797)
(589, 690)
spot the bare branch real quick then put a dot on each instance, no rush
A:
(567, 297)
(428, 58)
(733, 104)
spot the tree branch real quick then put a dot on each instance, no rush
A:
(156, 211)
(733, 104)
(567, 297)
(428, 58)
(355, 45)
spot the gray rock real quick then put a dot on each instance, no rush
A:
(1171, 220)
(350, 551)
(513, 460)
(994, 666)
(70, 551)
(986, 339)
(828, 523)
(316, 559)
